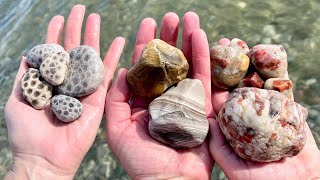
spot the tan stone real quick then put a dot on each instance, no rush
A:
(159, 67)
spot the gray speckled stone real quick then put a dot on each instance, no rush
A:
(85, 73)
(35, 90)
(66, 108)
(54, 68)
(38, 53)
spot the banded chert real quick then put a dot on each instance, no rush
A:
(159, 67)
(263, 125)
(228, 65)
(178, 117)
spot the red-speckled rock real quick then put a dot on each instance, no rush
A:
(284, 86)
(252, 80)
(240, 45)
(228, 66)
(263, 125)
(270, 60)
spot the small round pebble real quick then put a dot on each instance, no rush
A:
(66, 108)
(54, 68)
(284, 86)
(38, 53)
(85, 73)
(270, 60)
(35, 90)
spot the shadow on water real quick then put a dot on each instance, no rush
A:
(295, 25)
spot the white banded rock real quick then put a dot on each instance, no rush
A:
(263, 125)
(54, 68)
(35, 90)
(38, 53)
(66, 108)
(178, 117)
(85, 73)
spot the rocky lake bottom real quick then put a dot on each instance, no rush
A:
(296, 26)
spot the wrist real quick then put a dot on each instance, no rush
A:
(36, 168)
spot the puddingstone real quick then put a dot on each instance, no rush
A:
(270, 60)
(66, 108)
(159, 67)
(54, 68)
(178, 117)
(229, 64)
(85, 73)
(263, 125)
(35, 90)
(38, 53)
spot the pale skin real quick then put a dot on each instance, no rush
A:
(45, 148)
(42, 146)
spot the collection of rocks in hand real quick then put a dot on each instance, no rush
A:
(68, 76)
(177, 114)
(260, 119)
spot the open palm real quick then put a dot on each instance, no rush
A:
(127, 123)
(303, 166)
(36, 137)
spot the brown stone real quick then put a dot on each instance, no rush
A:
(159, 67)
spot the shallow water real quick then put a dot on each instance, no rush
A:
(294, 24)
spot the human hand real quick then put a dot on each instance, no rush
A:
(127, 126)
(43, 147)
(303, 166)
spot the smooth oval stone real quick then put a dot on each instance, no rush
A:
(66, 108)
(85, 73)
(178, 117)
(263, 125)
(35, 90)
(270, 60)
(239, 45)
(54, 68)
(38, 53)
(159, 67)
(228, 66)
(281, 85)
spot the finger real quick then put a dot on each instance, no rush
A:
(219, 97)
(54, 31)
(92, 32)
(111, 60)
(118, 111)
(220, 149)
(97, 99)
(224, 41)
(146, 33)
(169, 28)
(73, 27)
(201, 64)
(190, 23)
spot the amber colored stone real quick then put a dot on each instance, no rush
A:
(159, 67)
(252, 80)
